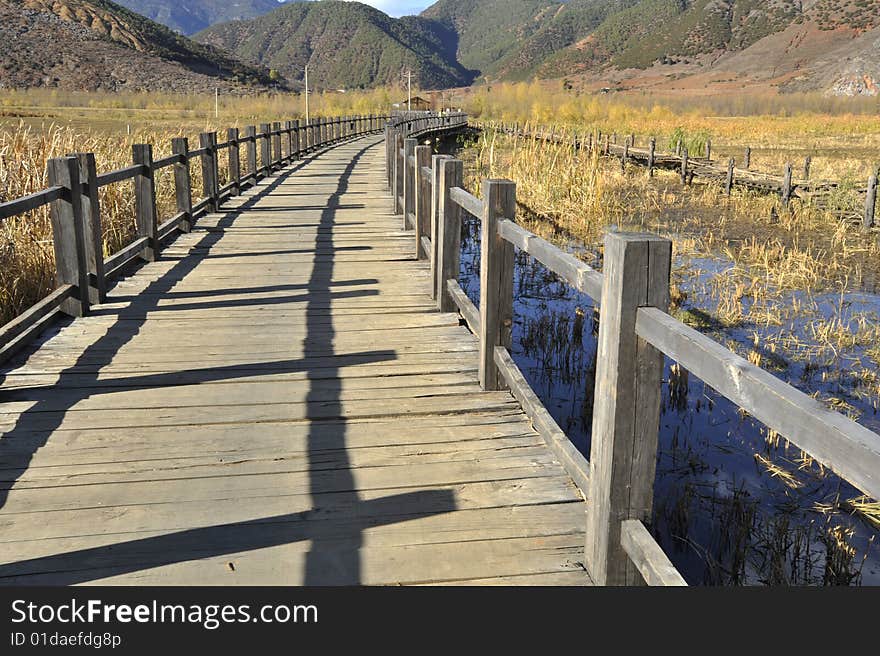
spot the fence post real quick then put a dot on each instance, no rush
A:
(684, 165)
(870, 202)
(145, 201)
(747, 160)
(626, 414)
(265, 149)
(652, 151)
(422, 199)
(786, 185)
(276, 146)
(398, 176)
(182, 182)
(708, 149)
(409, 150)
(288, 132)
(209, 168)
(295, 147)
(388, 166)
(448, 231)
(624, 156)
(496, 278)
(93, 234)
(436, 195)
(234, 160)
(728, 187)
(808, 162)
(71, 267)
(250, 135)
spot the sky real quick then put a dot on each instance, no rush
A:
(399, 7)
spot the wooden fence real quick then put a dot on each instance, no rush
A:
(636, 334)
(692, 165)
(82, 271)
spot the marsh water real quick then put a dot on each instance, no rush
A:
(734, 503)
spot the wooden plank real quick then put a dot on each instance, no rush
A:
(627, 408)
(653, 565)
(847, 448)
(468, 202)
(93, 232)
(496, 278)
(68, 235)
(469, 311)
(578, 274)
(35, 313)
(572, 459)
(30, 202)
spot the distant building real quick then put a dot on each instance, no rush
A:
(419, 104)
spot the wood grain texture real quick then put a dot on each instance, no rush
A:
(278, 400)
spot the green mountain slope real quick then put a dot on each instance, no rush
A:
(345, 44)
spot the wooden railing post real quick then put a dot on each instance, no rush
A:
(437, 193)
(398, 175)
(684, 166)
(626, 412)
(265, 149)
(448, 231)
(728, 186)
(652, 153)
(208, 140)
(808, 162)
(786, 185)
(747, 159)
(296, 147)
(234, 160)
(288, 140)
(183, 182)
(250, 135)
(409, 150)
(870, 202)
(276, 146)
(496, 278)
(71, 267)
(388, 164)
(422, 199)
(145, 201)
(92, 230)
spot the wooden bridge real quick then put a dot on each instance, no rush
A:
(290, 386)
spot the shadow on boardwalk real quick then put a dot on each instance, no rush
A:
(333, 557)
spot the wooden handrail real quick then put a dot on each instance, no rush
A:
(633, 291)
(76, 215)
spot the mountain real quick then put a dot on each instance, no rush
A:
(825, 45)
(95, 44)
(191, 16)
(345, 44)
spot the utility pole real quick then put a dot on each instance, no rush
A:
(307, 93)
(216, 102)
(409, 91)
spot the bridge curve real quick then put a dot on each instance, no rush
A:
(277, 400)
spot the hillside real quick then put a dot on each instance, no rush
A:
(825, 45)
(94, 44)
(345, 44)
(191, 16)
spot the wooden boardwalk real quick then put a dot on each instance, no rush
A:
(278, 401)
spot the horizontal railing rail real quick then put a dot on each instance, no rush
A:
(636, 334)
(72, 196)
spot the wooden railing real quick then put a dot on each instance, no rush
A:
(730, 174)
(635, 335)
(82, 271)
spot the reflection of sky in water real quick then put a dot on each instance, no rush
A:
(719, 514)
